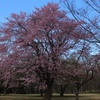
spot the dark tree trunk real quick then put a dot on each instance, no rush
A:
(48, 93)
(62, 90)
(41, 92)
(5, 90)
(77, 94)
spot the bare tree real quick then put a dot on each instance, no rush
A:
(89, 12)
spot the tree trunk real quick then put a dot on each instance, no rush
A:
(48, 93)
(62, 90)
(5, 90)
(77, 94)
(41, 92)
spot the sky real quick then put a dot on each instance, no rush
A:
(16, 6)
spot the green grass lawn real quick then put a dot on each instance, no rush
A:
(55, 97)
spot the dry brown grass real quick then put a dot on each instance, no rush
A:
(55, 97)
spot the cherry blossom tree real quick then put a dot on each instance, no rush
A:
(8, 72)
(80, 67)
(38, 41)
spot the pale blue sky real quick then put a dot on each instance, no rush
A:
(16, 6)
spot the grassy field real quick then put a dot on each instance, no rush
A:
(55, 97)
